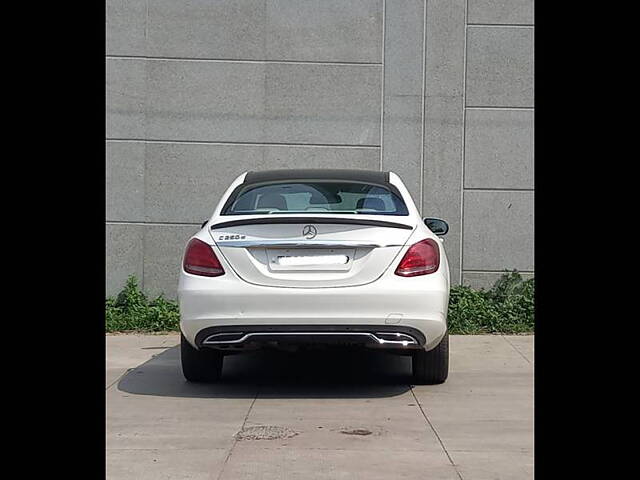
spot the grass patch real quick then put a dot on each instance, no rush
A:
(132, 311)
(507, 307)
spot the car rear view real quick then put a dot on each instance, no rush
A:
(314, 257)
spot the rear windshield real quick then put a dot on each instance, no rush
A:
(315, 197)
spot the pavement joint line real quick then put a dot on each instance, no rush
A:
(129, 370)
(235, 439)
(118, 379)
(522, 450)
(321, 449)
(516, 349)
(435, 433)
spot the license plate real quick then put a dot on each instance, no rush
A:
(291, 261)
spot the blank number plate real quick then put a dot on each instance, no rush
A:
(310, 259)
(287, 261)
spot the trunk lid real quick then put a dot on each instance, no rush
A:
(309, 252)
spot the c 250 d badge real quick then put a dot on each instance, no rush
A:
(232, 237)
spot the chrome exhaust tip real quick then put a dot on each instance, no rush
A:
(225, 338)
(395, 338)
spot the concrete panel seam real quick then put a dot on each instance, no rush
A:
(533, 74)
(498, 271)
(144, 173)
(144, 249)
(501, 25)
(235, 438)
(123, 222)
(490, 189)
(251, 144)
(435, 432)
(424, 104)
(146, 23)
(533, 126)
(239, 60)
(516, 349)
(477, 107)
(144, 193)
(384, 8)
(464, 135)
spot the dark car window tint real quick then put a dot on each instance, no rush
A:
(315, 197)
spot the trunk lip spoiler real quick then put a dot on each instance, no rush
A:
(310, 220)
(303, 244)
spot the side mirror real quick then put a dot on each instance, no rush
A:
(437, 226)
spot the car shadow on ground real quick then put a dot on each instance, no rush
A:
(330, 373)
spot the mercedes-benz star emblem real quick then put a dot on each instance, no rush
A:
(309, 231)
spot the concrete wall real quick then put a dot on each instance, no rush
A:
(438, 91)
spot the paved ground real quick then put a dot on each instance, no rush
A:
(309, 417)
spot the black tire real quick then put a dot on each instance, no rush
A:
(432, 367)
(200, 365)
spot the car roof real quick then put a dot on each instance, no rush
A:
(372, 176)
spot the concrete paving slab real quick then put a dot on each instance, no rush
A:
(485, 353)
(177, 424)
(523, 344)
(128, 351)
(511, 465)
(152, 406)
(484, 435)
(252, 461)
(354, 428)
(477, 407)
(161, 464)
(354, 415)
(469, 382)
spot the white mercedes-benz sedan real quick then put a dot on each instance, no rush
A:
(294, 258)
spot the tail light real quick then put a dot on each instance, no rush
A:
(199, 259)
(421, 258)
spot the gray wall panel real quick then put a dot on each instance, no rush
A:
(186, 181)
(320, 157)
(325, 104)
(125, 252)
(516, 12)
(500, 67)
(126, 93)
(253, 102)
(403, 82)
(498, 230)
(125, 181)
(330, 31)
(126, 26)
(206, 101)
(163, 249)
(222, 29)
(443, 125)
(499, 149)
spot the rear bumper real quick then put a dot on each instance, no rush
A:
(418, 303)
(232, 338)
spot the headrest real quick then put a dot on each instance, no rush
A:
(371, 203)
(272, 200)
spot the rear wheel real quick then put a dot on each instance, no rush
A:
(200, 365)
(432, 367)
